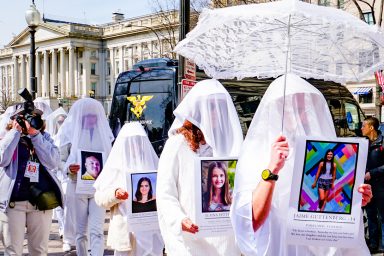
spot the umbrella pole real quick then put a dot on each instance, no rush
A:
(286, 69)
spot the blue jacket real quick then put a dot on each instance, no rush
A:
(46, 151)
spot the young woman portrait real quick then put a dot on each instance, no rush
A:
(217, 197)
(144, 200)
(325, 178)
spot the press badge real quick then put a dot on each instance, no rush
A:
(32, 171)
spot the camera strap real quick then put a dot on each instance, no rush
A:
(32, 167)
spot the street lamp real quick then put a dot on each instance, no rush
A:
(154, 31)
(32, 16)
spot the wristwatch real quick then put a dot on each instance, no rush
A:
(268, 175)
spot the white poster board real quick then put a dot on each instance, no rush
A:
(214, 181)
(91, 165)
(141, 209)
(325, 206)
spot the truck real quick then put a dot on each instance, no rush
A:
(149, 92)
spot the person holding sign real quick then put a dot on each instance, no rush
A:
(206, 124)
(132, 152)
(266, 165)
(325, 178)
(85, 131)
(217, 197)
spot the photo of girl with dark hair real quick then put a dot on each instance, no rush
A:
(144, 200)
(325, 178)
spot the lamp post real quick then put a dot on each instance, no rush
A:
(154, 31)
(32, 16)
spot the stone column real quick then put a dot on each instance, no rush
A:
(45, 92)
(54, 72)
(86, 79)
(28, 73)
(71, 72)
(121, 59)
(62, 73)
(23, 72)
(38, 75)
(15, 76)
(112, 62)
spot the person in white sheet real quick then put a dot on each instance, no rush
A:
(86, 128)
(53, 123)
(260, 204)
(206, 124)
(132, 152)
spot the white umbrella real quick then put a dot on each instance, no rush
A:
(289, 36)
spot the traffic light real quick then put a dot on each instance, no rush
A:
(56, 89)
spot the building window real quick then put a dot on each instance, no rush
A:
(340, 4)
(366, 98)
(108, 68)
(117, 68)
(81, 69)
(126, 65)
(109, 88)
(324, 2)
(93, 54)
(80, 54)
(93, 68)
(368, 17)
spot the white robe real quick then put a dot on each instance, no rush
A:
(175, 202)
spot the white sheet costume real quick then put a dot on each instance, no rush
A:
(208, 106)
(306, 114)
(86, 128)
(132, 152)
(53, 122)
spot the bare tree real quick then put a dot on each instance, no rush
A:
(5, 99)
(372, 7)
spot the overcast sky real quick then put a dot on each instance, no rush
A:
(12, 12)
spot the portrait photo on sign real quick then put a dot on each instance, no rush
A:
(217, 181)
(143, 192)
(328, 177)
(91, 165)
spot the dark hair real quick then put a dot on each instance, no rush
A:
(138, 194)
(373, 121)
(224, 194)
(192, 134)
(323, 168)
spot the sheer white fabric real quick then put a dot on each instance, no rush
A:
(5, 118)
(132, 152)
(53, 121)
(43, 105)
(251, 40)
(85, 128)
(209, 106)
(306, 114)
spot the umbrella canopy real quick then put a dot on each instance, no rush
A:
(289, 36)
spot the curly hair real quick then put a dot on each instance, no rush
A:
(193, 135)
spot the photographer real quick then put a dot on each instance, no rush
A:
(28, 189)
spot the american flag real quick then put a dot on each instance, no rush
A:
(380, 79)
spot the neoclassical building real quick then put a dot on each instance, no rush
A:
(77, 60)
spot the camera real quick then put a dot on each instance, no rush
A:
(28, 113)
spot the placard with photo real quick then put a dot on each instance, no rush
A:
(90, 168)
(214, 184)
(325, 206)
(141, 209)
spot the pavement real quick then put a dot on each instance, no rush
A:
(55, 243)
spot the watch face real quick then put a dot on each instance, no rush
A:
(265, 174)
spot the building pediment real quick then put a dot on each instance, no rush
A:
(44, 32)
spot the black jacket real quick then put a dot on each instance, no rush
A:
(375, 161)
